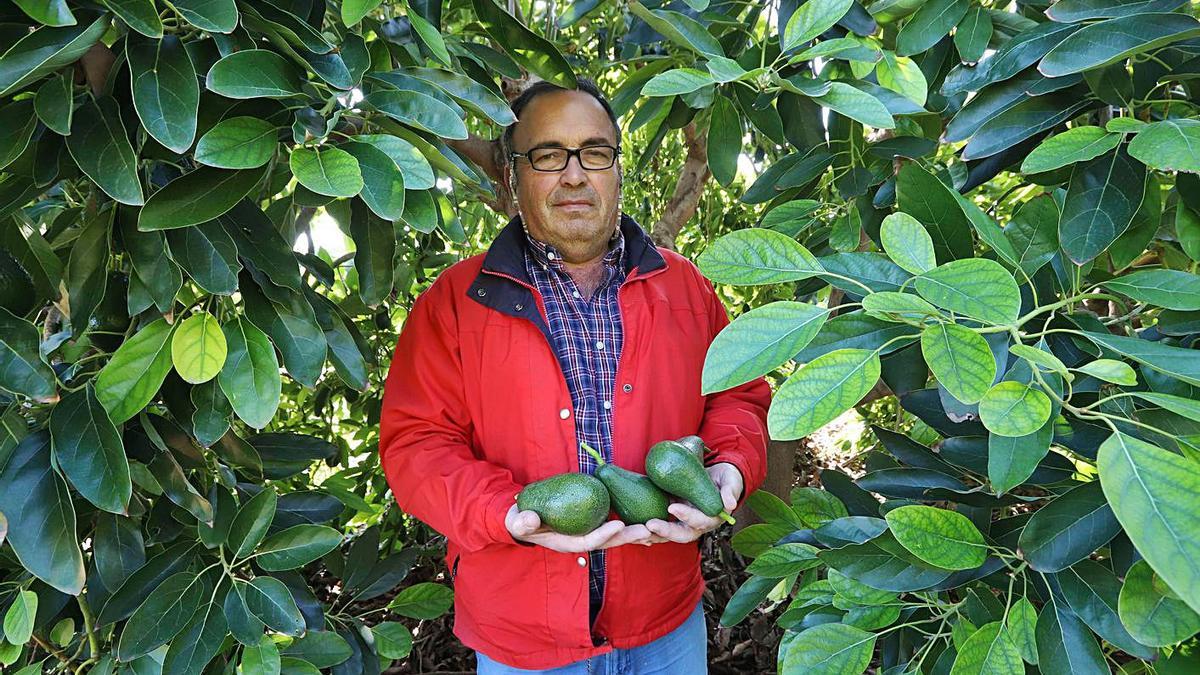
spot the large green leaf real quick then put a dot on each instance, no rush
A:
(857, 269)
(1074, 145)
(759, 341)
(468, 92)
(198, 349)
(383, 182)
(136, 371)
(1169, 145)
(41, 516)
(238, 143)
(162, 615)
(857, 105)
(811, 19)
(820, 391)
(271, 602)
(326, 171)
(178, 489)
(1153, 493)
(261, 245)
(45, 50)
(929, 24)
(48, 13)
(893, 306)
(88, 449)
(1068, 529)
(1092, 591)
(55, 102)
(250, 524)
(1080, 10)
(253, 73)
(1153, 614)
(139, 15)
(961, 360)
(528, 49)
(989, 651)
(154, 268)
(197, 197)
(1170, 289)
(972, 35)
(202, 636)
(215, 16)
(757, 256)
(418, 174)
(22, 370)
(1065, 646)
(828, 648)
(296, 546)
(18, 619)
(681, 29)
(858, 330)
(977, 287)
(419, 110)
(1014, 409)
(166, 93)
(678, 81)
(1029, 116)
(1033, 234)
(1013, 459)
(100, 147)
(208, 255)
(1176, 362)
(293, 328)
(19, 118)
(724, 140)
(942, 538)
(907, 243)
(374, 254)
(924, 197)
(250, 376)
(903, 76)
(1099, 44)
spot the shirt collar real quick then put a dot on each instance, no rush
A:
(547, 256)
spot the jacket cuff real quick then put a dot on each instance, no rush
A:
(496, 511)
(738, 463)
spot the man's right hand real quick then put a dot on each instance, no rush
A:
(527, 526)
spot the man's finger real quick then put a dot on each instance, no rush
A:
(675, 532)
(596, 538)
(693, 517)
(728, 498)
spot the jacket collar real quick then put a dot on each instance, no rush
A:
(506, 255)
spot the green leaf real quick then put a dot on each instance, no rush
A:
(979, 288)
(888, 304)
(1176, 362)
(973, 34)
(1013, 459)
(175, 485)
(321, 648)
(45, 50)
(423, 601)
(244, 626)
(208, 255)
(1068, 529)
(528, 49)
(326, 170)
(929, 24)
(354, 11)
(784, 560)
(54, 102)
(907, 243)
(857, 105)
(251, 522)
(261, 658)
(432, 38)
(88, 449)
(924, 197)
(253, 73)
(162, 615)
(820, 391)
(816, 507)
(724, 140)
(292, 325)
(1154, 615)
(1044, 359)
(49, 13)
(811, 19)
(197, 197)
(198, 349)
(1092, 592)
(1169, 145)
(1020, 625)
(215, 16)
(1080, 10)
(681, 29)
(249, 377)
(383, 182)
(989, 651)
(238, 143)
(1074, 145)
(757, 256)
(1152, 493)
(22, 370)
(758, 342)
(18, 620)
(153, 267)
(1028, 117)
(1099, 44)
(679, 81)
(1117, 372)
(20, 120)
(418, 175)
(139, 15)
(1176, 404)
(1033, 234)
(272, 603)
(297, 546)
(961, 360)
(1065, 646)
(166, 93)
(1170, 289)
(419, 110)
(828, 648)
(1014, 409)
(860, 270)
(100, 147)
(942, 538)
(902, 75)
(200, 639)
(136, 371)
(393, 640)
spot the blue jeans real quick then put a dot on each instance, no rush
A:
(683, 651)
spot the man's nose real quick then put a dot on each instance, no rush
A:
(573, 173)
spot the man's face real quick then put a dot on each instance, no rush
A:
(568, 119)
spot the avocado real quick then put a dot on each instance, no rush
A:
(675, 469)
(570, 503)
(695, 444)
(634, 496)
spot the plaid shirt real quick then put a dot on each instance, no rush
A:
(587, 341)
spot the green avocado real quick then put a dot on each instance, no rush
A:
(634, 496)
(569, 503)
(675, 469)
(695, 444)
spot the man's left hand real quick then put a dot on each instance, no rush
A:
(692, 521)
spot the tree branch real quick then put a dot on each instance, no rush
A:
(682, 205)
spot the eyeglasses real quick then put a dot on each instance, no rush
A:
(591, 157)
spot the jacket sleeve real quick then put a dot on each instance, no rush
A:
(735, 420)
(425, 435)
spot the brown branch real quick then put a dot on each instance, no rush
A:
(688, 189)
(94, 67)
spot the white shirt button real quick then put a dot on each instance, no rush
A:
(607, 405)
(576, 294)
(599, 344)
(582, 561)
(550, 255)
(564, 413)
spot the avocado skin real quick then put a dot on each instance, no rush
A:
(695, 444)
(634, 496)
(674, 468)
(569, 503)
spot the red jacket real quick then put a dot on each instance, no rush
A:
(476, 406)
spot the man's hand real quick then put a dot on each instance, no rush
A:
(692, 521)
(527, 526)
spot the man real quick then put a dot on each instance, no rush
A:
(573, 328)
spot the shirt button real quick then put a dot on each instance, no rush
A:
(564, 413)
(582, 561)
(599, 344)
(627, 388)
(518, 307)
(576, 294)
(607, 405)
(481, 292)
(550, 255)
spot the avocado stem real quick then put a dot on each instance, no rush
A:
(726, 517)
(595, 455)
